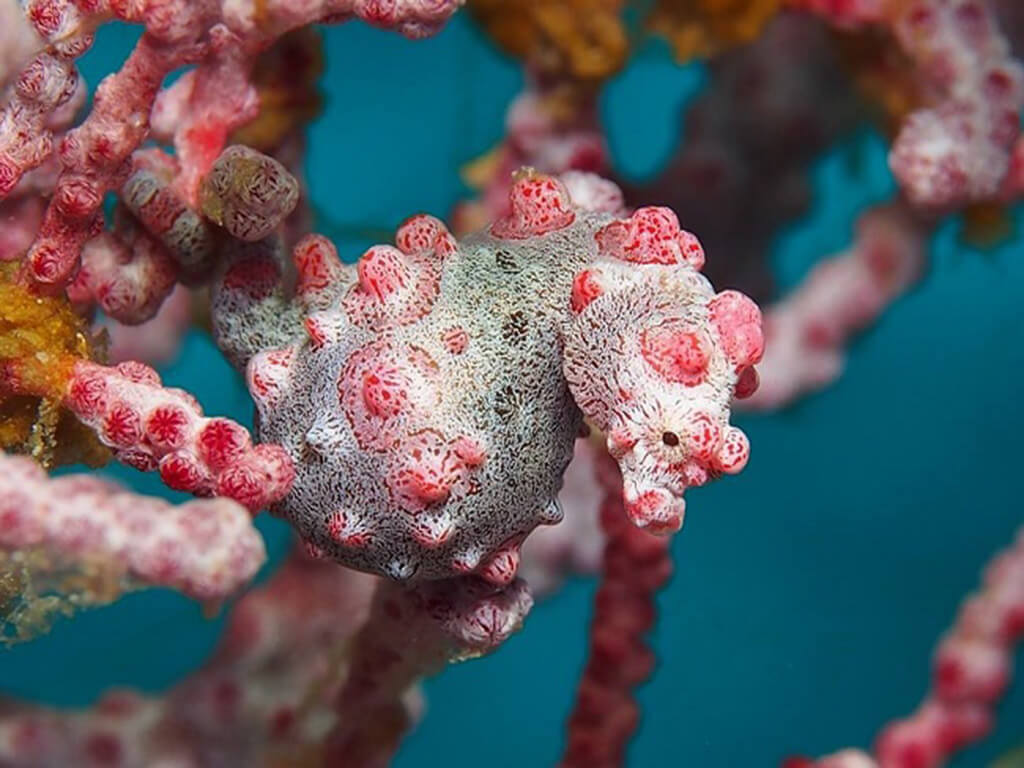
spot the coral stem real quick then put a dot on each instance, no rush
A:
(971, 670)
(636, 565)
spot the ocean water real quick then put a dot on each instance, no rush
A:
(808, 591)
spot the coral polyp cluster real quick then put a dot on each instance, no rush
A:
(703, 27)
(151, 427)
(41, 340)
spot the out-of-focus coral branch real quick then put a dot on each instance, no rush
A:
(577, 41)
(706, 27)
(636, 564)
(157, 341)
(42, 86)
(125, 271)
(18, 42)
(263, 700)
(806, 333)
(78, 540)
(750, 139)
(955, 147)
(21, 218)
(310, 672)
(970, 671)
(412, 633)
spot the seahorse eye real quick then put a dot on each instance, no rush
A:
(670, 439)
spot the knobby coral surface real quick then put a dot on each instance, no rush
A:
(79, 540)
(265, 698)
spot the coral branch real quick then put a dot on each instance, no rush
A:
(304, 658)
(957, 151)
(25, 140)
(805, 334)
(203, 107)
(149, 195)
(955, 147)
(264, 699)
(970, 671)
(412, 633)
(21, 217)
(125, 271)
(94, 157)
(81, 533)
(636, 565)
(157, 341)
(18, 41)
(43, 84)
(149, 427)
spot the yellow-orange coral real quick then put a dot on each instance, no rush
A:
(40, 340)
(882, 74)
(583, 40)
(987, 224)
(36, 588)
(697, 28)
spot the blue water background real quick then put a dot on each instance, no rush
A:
(808, 592)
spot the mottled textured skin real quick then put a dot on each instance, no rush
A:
(668, 429)
(505, 390)
(425, 407)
